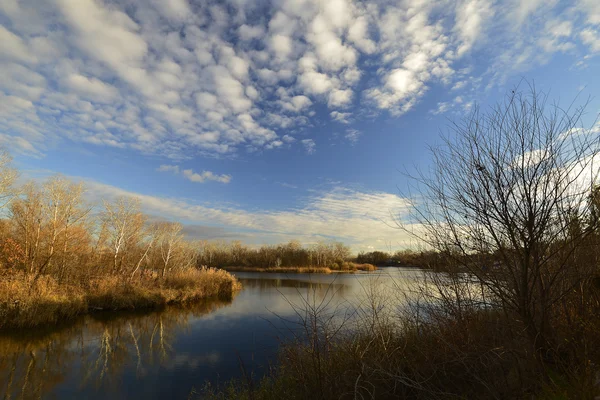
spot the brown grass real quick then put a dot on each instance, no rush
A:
(27, 303)
(474, 360)
(347, 267)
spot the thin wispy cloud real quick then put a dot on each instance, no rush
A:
(352, 135)
(196, 177)
(360, 219)
(309, 145)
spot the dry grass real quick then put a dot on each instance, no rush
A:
(476, 360)
(296, 270)
(26, 303)
(427, 351)
(364, 267)
(348, 267)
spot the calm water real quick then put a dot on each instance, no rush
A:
(166, 354)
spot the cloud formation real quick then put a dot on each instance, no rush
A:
(196, 177)
(363, 220)
(181, 78)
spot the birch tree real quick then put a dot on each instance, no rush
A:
(123, 222)
(170, 237)
(63, 208)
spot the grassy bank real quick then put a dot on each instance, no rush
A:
(440, 344)
(347, 267)
(26, 302)
(477, 359)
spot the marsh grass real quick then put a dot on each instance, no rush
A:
(345, 266)
(422, 349)
(26, 302)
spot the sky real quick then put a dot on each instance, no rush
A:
(265, 121)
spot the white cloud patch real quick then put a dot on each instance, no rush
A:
(196, 177)
(14, 48)
(309, 145)
(180, 78)
(341, 117)
(205, 176)
(352, 135)
(90, 88)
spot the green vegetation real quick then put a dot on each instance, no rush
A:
(511, 212)
(61, 257)
(289, 257)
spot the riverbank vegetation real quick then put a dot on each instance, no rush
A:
(402, 258)
(288, 257)
(61, 257)
(511, 208)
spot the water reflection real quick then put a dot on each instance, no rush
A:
(98, 348)
(267, 284)
(164, 354)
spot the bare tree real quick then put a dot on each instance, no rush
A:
(63, 208)
(499, 202)
(123, 221)
(170, 237)
(26, 212)
(8, 176)
(150, 234)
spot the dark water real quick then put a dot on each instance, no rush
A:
(165, 354)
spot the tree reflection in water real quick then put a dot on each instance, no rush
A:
(99, 346)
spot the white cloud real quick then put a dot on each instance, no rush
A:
(14, 48)
(281, 45)
(168, 168)
(358, 33)
(359, 219)
(299, 103)
(202, 79)
(471, 16)
(340, 117)
(248, 32)
(177, 10)
(91, 88)
(340, 98)
(309, 145)
(591, 37)
(352, 135)
(109, 36)
(192, 176)
(205, 176)
(592, 11)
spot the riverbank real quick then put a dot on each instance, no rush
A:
(26, 302)
(348, 267)
(474, 359)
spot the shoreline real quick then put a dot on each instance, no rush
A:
(28, 304)
(352, 268)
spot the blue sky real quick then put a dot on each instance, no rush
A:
(270, 120)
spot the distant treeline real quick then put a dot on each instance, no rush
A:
(333, 256)
(405, 258)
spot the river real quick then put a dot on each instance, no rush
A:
(168, 353)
